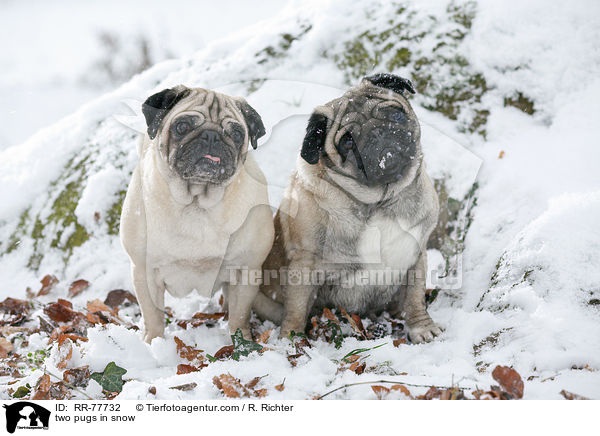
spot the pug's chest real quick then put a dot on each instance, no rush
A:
(190, 235)
(380, 241)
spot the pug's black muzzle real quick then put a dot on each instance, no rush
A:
(385, 156)
(205, 159)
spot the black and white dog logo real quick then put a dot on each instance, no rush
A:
(26, 415)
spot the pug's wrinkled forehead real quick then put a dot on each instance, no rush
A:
(364, 103)
(206, 109)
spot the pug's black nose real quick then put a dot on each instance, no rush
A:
(209, 138)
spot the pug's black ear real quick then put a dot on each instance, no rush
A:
(157, 106)
(256, 128)
(391, 82)
(314, 140)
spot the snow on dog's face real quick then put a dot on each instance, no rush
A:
(203, 135)
(370, 134)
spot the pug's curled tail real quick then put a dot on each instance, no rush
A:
(268, 309)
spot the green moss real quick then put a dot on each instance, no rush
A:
(445, 81)
(400, 59)
(113, 217)
(280, 49)
(521, 102)
(14, 240)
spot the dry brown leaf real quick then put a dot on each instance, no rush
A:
(66, 351)
(78, 377)
(352, 358)
(185, 387)
(264, 336)
(380, 391)
(77, 287)
(509, 380)
(42, 388)
(330, 316)
(64, 336)
(187, 352)
(152, 390)
(182, 368)
(280, 387)
(501, 154)
(65, 303)
(96, 306)
(213, 316)
(431, 393)
(48, 283)
(230, 386)
(402, 389)
(571, 396)
(60, 313)
(5, 347)
(260, 393)
(358, 368)
(398, 342)
(14, 306)
(252, 383)
(116, 297)
(224, 352)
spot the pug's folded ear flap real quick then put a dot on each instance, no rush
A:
(314, 140)
(157, 106)
(391, 82)
(256, 128)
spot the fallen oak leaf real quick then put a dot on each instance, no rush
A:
(14, 306)
(183, 368)
(571, 396)
(67, 353)
(73, 337)
(402, 389)
(264, 336)
(78, 377)
(380, 391)
(280, 387)
(116, 297)
(213, 316)
(59, 312)
(42, 388)
(509, 380)
(186, 351)
(77, 287)
(224, 352)
(358, 368)
(230, 386)
(48, 283)
(327, 313)
(185, 387)
(5, 348)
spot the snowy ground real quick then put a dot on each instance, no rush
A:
(530, 289)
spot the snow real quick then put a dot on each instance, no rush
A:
(530, 264)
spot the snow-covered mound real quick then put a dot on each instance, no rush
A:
(515, 88)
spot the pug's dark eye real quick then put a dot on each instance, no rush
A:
(397, 116)
(182, 127)
(237, 134)
(348, 142)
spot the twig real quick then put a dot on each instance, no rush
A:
(385, 381)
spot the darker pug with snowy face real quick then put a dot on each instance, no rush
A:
(359, 204)
(197, 203)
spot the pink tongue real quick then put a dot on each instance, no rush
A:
(213, 158)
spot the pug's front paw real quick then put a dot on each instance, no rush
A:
(424, 332)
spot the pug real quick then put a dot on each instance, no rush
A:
(197, 204)
(359, 205)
